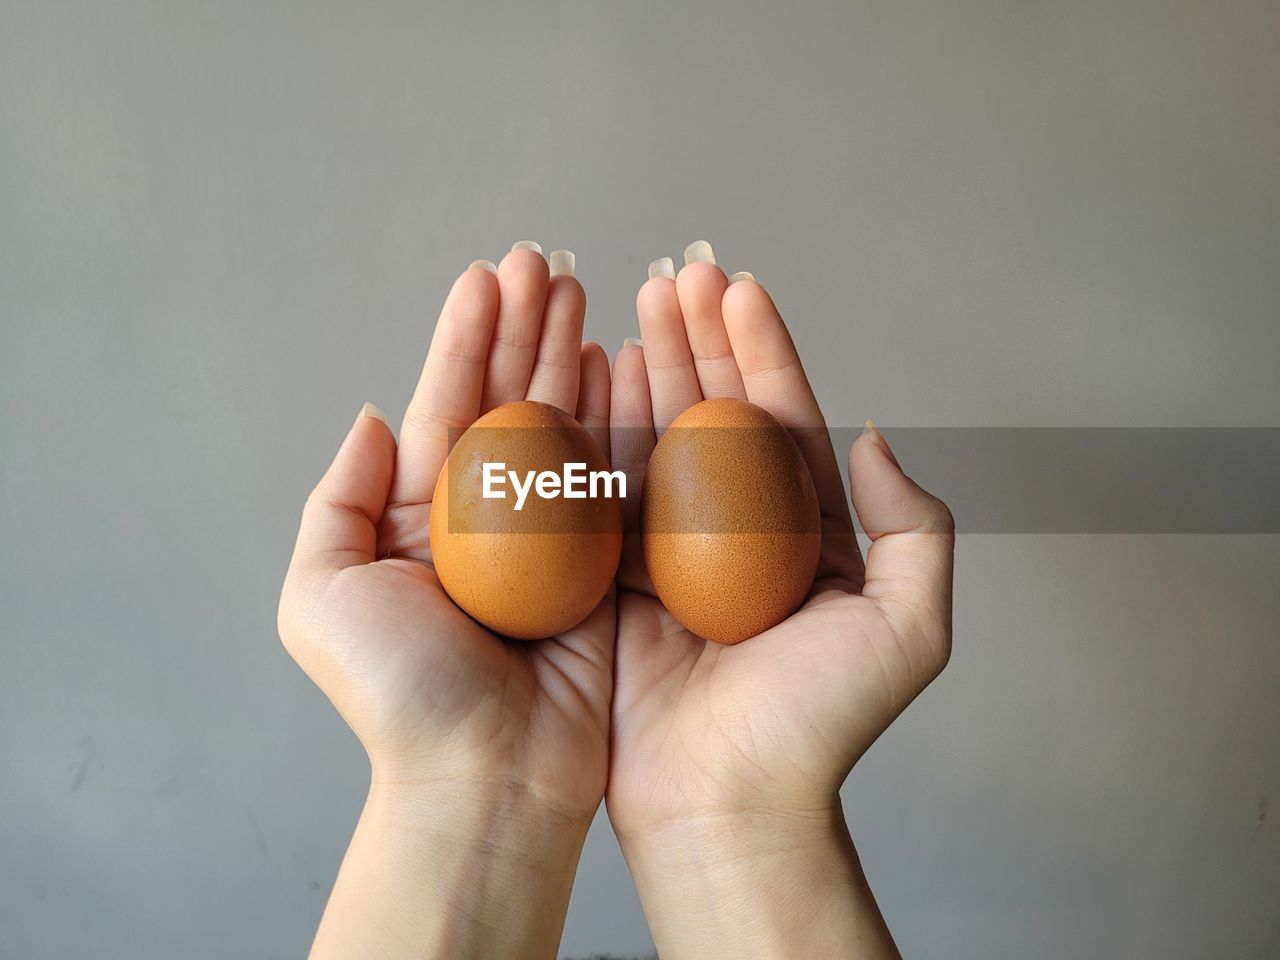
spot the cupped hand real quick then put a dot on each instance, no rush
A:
(432, 695)
(774, 723)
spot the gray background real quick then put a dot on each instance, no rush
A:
(223, 226)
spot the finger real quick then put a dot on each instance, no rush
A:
(700, 288)
(593, 395)
(522, 276)
(340, 520)
(632, 438)
(673, 381)
(775, 380)
(912, 535)
(556, 370)
(448, 394)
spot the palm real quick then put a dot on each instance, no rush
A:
(721, 724)
(783, 716)
(531, 711)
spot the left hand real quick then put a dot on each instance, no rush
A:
(489, 756)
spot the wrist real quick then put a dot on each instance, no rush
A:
(466, 808)
(714, 845)
(496, 834)
(755, 884)
(493, 778)
(453, 869)
(743, 817)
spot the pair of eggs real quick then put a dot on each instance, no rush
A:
(729, 523)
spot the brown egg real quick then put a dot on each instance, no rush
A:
(538, 570)
(730, 521)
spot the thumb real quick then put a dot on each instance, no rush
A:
(912, 536)
(340, 520)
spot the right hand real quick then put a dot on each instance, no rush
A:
(727, 758)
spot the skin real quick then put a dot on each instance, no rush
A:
(726, 762)
(489, 757)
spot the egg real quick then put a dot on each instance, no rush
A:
(729, 521)
(526, 568)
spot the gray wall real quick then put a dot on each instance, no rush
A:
(224, 226)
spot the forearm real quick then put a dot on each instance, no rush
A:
(747, 886)
(449, 871)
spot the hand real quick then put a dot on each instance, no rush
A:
(472, 739)
(727, 761)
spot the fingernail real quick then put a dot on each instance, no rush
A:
(869, 429)
(741, 275)
(527, 245)
(563, 263)
(699, 252)
(369, 410)
(663, 267)
(484, 265)
(632, 342)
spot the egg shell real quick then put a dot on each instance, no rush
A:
(729, 521)
(539, 571)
